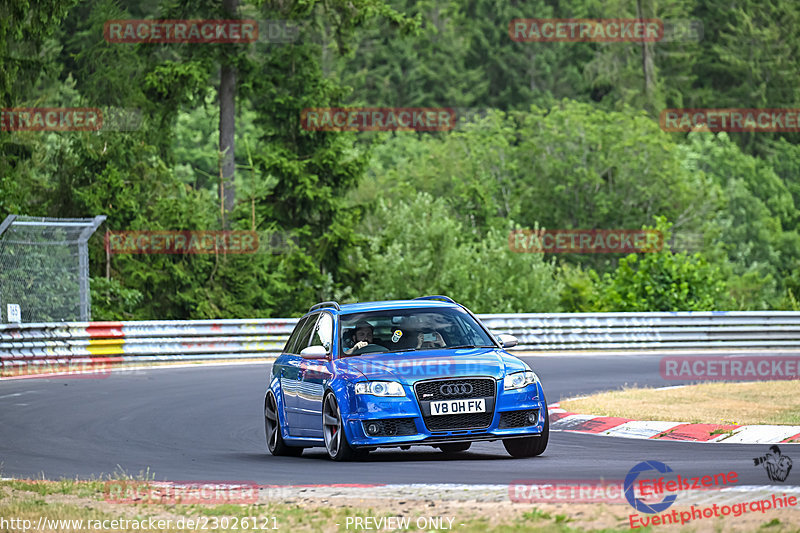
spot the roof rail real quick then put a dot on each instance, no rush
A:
(330, 303)
(437, 297)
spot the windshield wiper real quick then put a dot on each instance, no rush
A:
(371, 353)
(466, 346)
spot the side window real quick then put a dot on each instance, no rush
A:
(472, 336)
(323, 332)
(304, 334)
(293, 337)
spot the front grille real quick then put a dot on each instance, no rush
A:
(460, 388)
(517, 419)
(429, 390)
(467, 421)
(391, 427)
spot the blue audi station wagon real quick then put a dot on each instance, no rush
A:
(357, 377)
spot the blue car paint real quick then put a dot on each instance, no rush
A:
(303, 427)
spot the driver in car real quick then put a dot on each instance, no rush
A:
(363, 336)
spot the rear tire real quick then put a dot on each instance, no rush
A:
(455, 447)
(333, 430)
(272, 426)
(530, 446)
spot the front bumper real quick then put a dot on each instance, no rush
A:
(406, 413)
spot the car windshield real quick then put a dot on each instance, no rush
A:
(406, 330)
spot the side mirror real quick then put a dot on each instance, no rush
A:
(508, 341)
(314, 352)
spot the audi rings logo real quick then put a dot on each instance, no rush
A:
(452, 389)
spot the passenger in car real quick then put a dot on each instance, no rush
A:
(436, 341)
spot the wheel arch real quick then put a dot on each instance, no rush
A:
(345, 401)
(280, 408)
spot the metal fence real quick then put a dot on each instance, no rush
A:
(124, 342)
(44, 267)
(667, 330)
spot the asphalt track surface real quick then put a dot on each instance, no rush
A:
(206, 423)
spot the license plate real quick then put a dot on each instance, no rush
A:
(457, 407)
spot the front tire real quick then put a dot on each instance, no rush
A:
(333, 430)
(272, 426)
(530, 446)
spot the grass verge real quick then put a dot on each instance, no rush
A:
(764, 402)
(44, 503)
(61, 503)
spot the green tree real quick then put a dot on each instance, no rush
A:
(420, 248)
(472, 169)
(571, 166)
(294, 182)
(748, 58)
(28, 56)
(423, 68)
(750, 230)
(25, 28)
(580, 290)
(664, 281)
(588, 168)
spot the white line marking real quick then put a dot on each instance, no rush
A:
(18, 394)
(122, 369)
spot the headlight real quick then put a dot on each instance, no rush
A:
(380, 388)
(518, 380)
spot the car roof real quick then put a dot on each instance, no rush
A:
(393, 304)
(388, 305)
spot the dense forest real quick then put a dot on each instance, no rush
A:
(549, 135)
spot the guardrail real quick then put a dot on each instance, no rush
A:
(78, 344)
(682, 329)
(23, 345)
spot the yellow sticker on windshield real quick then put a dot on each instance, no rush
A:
(396, 335)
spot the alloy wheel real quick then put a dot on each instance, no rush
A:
(271, 421)
(331, 426)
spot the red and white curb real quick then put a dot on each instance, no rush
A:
(561, 420)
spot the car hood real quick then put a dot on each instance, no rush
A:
(410, 367)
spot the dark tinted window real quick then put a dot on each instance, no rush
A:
(413, 329)
(293, 337)
(304, 333)
(323, 332)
